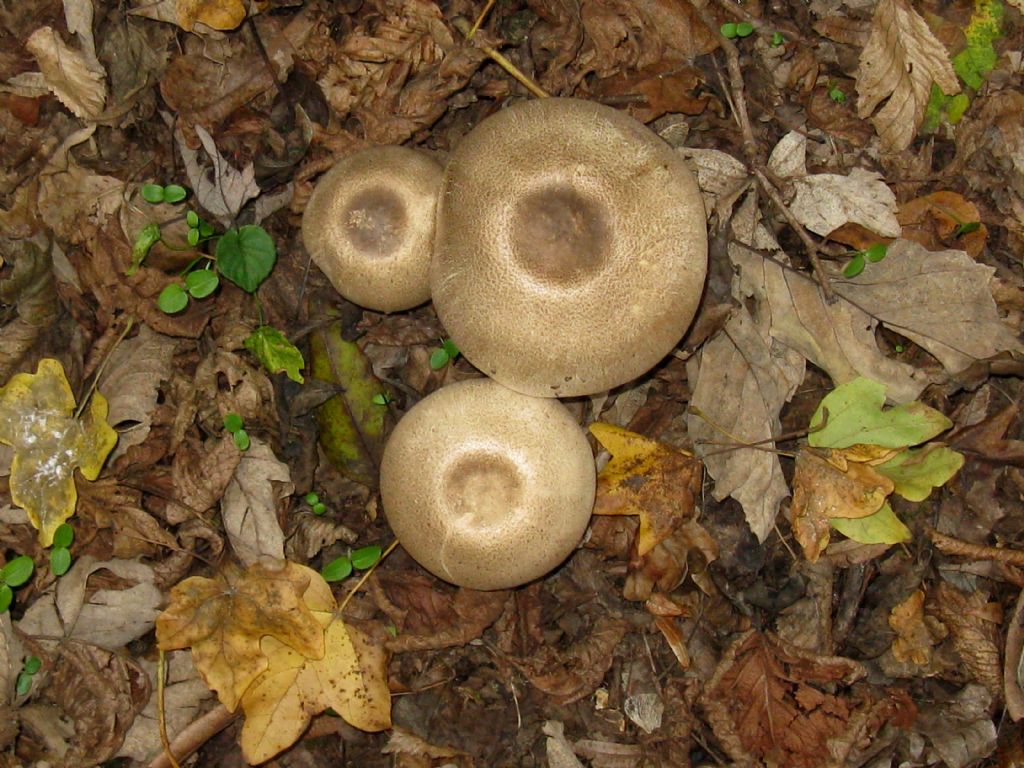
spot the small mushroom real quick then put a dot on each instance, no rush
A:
(571, 248)
(487, 488)
(369, 226)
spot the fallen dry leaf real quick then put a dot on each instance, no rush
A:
(223, 619)
(934, 221)
(76, 81)
(216, 14)
(250, 505)
(974, 625)
(646, 478)
(901, 60)
(351, 678)
(916, 633)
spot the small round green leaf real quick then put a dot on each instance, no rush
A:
(153, 193)
(192, 238)
(728, 30)
(366, 557)
(174, 193)
(876, 252)
(23, 684)
(60, 560)
(233, 422)
(205, 228)
(449, 346)
(336, 570)
(18, 571)
(319, 508)
(63, 536)
(201, 283)
(32, 665)
(6, 596)
(744, 29)
(438, 359)
(172, 299)
(855, 267)
(192, 219)
(245, 256)
(311, 498)
(777, 39)
(241, 440)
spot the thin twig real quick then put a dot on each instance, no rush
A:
(480, 19)
(463, 26)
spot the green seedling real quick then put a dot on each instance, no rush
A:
(836, 94)
(447, 353)
(16, 573)
(382, 398)
(233, 424)
(777, 39)
(860, 259)
(28, 671)
(60, 555)
(156, 193)
(361, 560)
(731, 30)
(317, 506)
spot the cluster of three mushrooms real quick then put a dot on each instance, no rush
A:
(567, 256)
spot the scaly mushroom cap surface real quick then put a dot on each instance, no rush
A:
(485, 487)
(369, 226)
(571, 248)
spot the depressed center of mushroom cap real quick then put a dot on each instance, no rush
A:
(375, 221)
(559, 234)
(483, 489)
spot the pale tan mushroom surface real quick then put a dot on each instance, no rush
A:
(485, 487)
(369, 226)
(571, 248)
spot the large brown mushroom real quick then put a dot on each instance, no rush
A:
(571, 248)
(485, 487)
(369, 226)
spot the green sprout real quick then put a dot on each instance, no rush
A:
(731, 30)
(233, 424)
(447, 353)
(860, 259)
(28, 671)
(17, 572)
(361, 560)
(60, 555)
(382, 398)
(836, 94)
(317, 506)
(777, 39)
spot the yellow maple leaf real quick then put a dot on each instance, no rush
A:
(224, 618)
(216, 14)
(646, 478)
(351, 678)
(37, 419)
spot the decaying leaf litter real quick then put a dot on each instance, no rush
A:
(785, 568)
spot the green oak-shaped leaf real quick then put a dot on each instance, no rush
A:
(916, 472)
(856, 416)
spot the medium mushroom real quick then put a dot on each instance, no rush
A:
(369, 226)
(571, 248)
(487, 488)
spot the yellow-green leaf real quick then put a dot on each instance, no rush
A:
(883, 527)
(352, 425)
(37, 419)
(915, 473)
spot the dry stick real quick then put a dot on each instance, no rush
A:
(951, 546)
(463, 26)
(737, 101)
(480, 19)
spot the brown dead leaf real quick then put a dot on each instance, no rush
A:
(932, 221)
(73, 78)
(31, 290)
(223, 619)
(772, 704)
(974, 625)
(900, 61)
(662, 87)
(200, 472)
(828, 483)
(988, 440)
(251, 504)
(917, 634)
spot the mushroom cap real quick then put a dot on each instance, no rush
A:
(487, 488)
(369, 226)
(571, 248)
